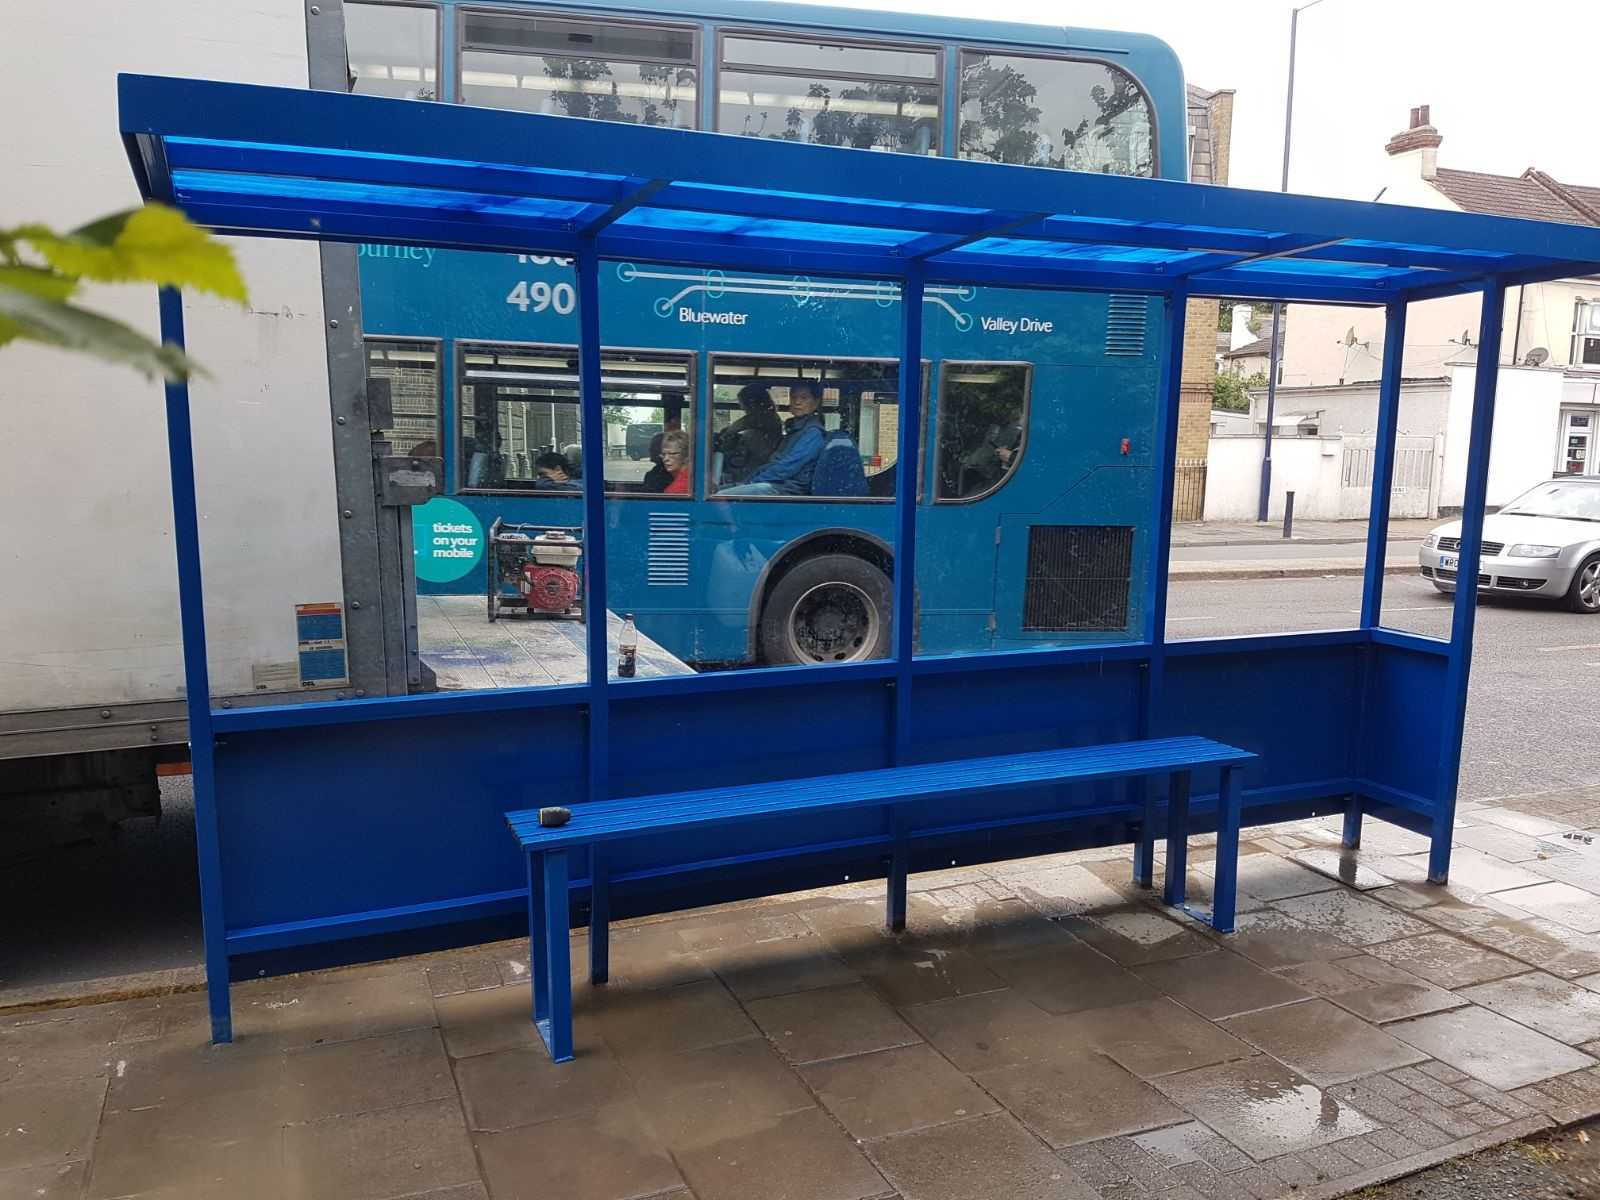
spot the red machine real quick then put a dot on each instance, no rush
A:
(536, 569)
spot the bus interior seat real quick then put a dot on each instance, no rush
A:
(838, 471)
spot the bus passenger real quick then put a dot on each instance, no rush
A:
(553, 474)
(749, 442)
(788, 472)
(658, 476)
(675, 463)
(986, 464)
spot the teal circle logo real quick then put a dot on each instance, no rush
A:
(447, 540)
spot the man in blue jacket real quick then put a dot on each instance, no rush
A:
(788, 472)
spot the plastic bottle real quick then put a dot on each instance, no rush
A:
(627, 649)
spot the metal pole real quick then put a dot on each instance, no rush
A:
(196, 678)
(1394, 337)
(905, 503)
(1464, 615)
(1277, 307)
(1165, 457)
(593, 428)
(1288, 514)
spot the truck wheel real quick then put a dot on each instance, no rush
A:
(1584, 593)
(832, 608)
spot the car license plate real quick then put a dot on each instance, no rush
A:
(1447, 561)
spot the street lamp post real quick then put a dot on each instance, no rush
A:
(1273, 350)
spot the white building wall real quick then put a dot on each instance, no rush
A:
(90, 598)
(1354, 409)
(1308, 466)
(1527, 428)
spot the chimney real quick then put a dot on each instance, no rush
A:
(1241, 335)
(1420, 139)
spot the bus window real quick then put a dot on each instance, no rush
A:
(1043, 112)
(983, 421)
(762, 407)
(393, 50)
(869, 97)
(520, 424)
(411, 367)
(571, 67)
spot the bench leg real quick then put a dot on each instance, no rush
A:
(599, 917)
(1144, 850)
(549, 952)
(1177, 838)
(1229, 802)
(894, 917)
(1352, 824)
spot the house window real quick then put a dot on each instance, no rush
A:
(830, 94)
(1586, 334)
(572, 67)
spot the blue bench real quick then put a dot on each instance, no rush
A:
(897, 790)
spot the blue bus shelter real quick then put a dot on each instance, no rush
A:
(320, 824)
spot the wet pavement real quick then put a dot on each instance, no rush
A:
(1043, 1030)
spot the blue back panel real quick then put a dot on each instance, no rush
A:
(1402, 745)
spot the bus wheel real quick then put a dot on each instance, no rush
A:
(832, 608)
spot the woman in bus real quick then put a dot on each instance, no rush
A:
(675, 462)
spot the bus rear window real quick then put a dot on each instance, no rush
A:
(1042, 112)
(983, 422)
(643, 74)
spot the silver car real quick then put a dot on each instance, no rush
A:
(1546, 542)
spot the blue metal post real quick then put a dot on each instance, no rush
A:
(196, 678)
(593, 426)
(557, 1029)
(1394, 340)
(599, 916)
(1474, 497)
(538, 941)
(1177, 838)
(905, 503)
(1164, 465)
(1224, 896)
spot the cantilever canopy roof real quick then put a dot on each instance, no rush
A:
(283, 162)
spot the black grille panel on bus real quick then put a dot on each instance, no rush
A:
(1126, 319)
(1078, 577)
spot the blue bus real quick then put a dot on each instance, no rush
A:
(1035, 485)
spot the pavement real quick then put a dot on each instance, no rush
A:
(1042, 1031)
(1251, 550)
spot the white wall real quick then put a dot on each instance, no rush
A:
(1310, 467)
(1526, 433)
(89, 610)
(1354, 408)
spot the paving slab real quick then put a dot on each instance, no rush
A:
(1269, 876)
(1372, 989)
(1324, 1043)
(1263, 1107)
(47, 1123)
(1132, 934)
(57, 1181)
(521, 1086)
(1152, 1037)
(1078, 1097)
(609, 1154)
(704, 1095)
(1346, 866)
(1070, 979)
(1559, 902)
(800, 1155)
(988, 1030)
(1448, 961)
(1555, 1007)
(1221, 985)
(1272, 938)
(989, 1156)
(1358, 920)
(1489, 1047)
(1480, 872)
(895, 1091)
(831, 1023)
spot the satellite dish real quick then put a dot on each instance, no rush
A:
(1536, 357)
(1350, 336)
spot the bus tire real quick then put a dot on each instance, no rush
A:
(831, 608)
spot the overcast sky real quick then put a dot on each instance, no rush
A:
(1513, 83)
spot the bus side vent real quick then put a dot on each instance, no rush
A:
(1126, 318)
(667, 561)
(1078, 577)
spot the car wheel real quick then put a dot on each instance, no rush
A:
(1584, 593)
(832, 608)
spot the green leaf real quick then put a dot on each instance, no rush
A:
(36, 281)
(55, 323)
(153, 244)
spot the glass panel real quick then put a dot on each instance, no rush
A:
(831, 112)
(799, 428)
(393, 50)
(412, 370)
(641, 93)
(1054, 113)
(982, 425)
(1590, 351)
(520, 421)
(512, 32)
(830, 60)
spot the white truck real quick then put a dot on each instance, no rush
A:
(291, 503)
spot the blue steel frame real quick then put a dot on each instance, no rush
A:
(282, 163)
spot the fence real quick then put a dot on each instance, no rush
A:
(1189, 490)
